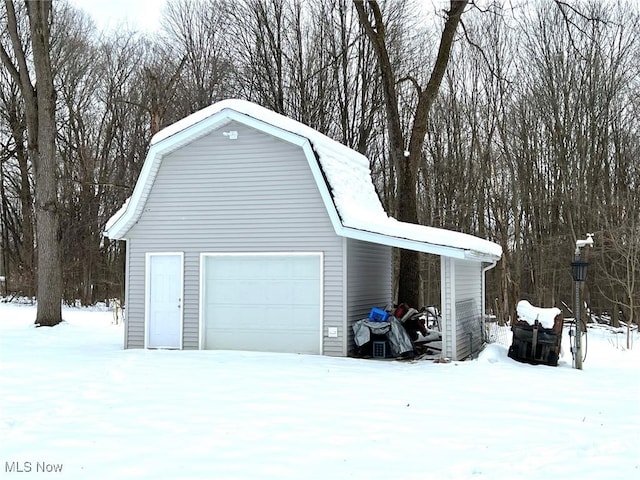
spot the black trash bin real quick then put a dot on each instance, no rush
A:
(535, 344)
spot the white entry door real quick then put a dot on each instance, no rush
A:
(164, 300)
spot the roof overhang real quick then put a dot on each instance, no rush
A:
(316, 147)
(418, 246)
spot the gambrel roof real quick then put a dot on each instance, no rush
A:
(343, 177)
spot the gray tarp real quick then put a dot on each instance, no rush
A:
(399, 341)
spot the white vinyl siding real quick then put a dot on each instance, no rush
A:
(447, 309)
(252, 194)
(468, 290)
(461, 314)
(135, 290)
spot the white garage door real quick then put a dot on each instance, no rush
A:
(268, 303)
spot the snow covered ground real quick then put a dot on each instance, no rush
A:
(73, 401)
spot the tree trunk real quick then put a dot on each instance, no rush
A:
(49, 288)
(407, 164)
(41, 142)
(409, 269)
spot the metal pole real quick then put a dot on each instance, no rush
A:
(580, 274)
(578, 357)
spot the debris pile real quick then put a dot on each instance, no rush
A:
(399, 332)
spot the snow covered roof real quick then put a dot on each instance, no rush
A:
(350, 197)
(545, 316)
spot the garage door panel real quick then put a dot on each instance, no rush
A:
(272, 266)
(278, 292)
(259, 342)
(259, 335)
(230, 317)
(263, 302)
(304, 292)
(283, 317)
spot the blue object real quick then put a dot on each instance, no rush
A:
(378, 315)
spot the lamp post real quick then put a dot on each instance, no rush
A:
(579, 273)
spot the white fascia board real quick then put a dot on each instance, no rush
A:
(323, 188)
(121, 226)
(265, 127)
(480, 257)
(399, 242)
(404, 243)
(139, 196)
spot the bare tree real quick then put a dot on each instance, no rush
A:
(103, 134)
(39, 101)
(620, 252)
(17, 171)
(406, 150)
(197, 31)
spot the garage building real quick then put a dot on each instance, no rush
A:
(247, 230)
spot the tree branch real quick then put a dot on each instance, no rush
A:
(412, 79)
(427, 97)
(563, 7)
(481, 50)
(11, 68)
(23, 72)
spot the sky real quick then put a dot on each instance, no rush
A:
(144, 15)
